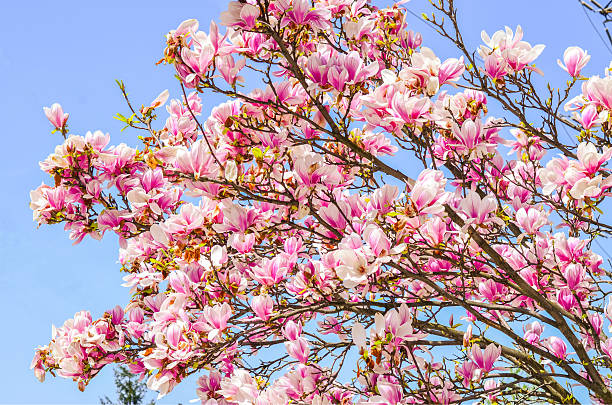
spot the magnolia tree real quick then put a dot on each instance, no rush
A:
(279, 251)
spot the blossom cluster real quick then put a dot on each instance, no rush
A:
(284, 222)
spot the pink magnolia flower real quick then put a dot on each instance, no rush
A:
(216, 318)
(399, 324)
(377, 144)
(237, 218)
(310, 169)
(531, 219)
(301, 13)
(292, 330)
(198, 61)
(495, 67)
(485, 359)
(173, 334)
(491, 386)
(469, 371)
(467, 336)
(587, 187)
(229, 68)
(117, 314)
(599, 91)
(159, 101)
(508, 45)
(451, 70)
(557, 347)
(435, 231)
(469, 136)
(197, 161)
(377, 240)
(428, 192)
(566, 299)
(239, 388)
(492, 290)
(589, 117)
(337, 77)
(163, 382)
(590, 159)
(383, 198)
(605, 346)
(334, 216)
(533, 332)
(56, 115)
(355, 68)
(362, 28)
(37, 365)
(317, 68)
(262, 306)
(414, 39)
(410, 109)
(208, 385)
(136, 315)
(271, 271)
(574, 60)
(328, 67)
(186, 27)
(243, 243)
(443, 392)
(573, 273)
(358, 335)
(353, 268)
(391, 393)
(292, 246)
(240, 15)
(179, 281)
(569, 249)
(298, 349)
(553, 175)
(596, 322)
(478, 209)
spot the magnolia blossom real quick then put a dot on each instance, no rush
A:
(574, 60)
(298, 349)
(56, 116)
(478, 209)
(589, 117)
(495, 67)
(533, 332)
(239, 387)
(353, 267)
(590, 158)
(597, 91)
(262, 305)
(239, 14)
(557, 346)
(531, 220)
(508, 46)
(485, 359)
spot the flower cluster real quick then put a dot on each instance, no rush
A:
(280, 243)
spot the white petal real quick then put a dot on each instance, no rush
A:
(358, 333)
(158, 234)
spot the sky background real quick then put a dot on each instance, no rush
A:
(71, 52)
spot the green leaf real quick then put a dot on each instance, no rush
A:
(120, 84)
(257, 153)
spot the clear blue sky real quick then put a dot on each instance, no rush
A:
(71, 52)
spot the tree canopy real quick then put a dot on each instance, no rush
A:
(280, 249)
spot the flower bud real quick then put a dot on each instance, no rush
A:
(574, 59)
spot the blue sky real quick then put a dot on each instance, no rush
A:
(71, 52)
